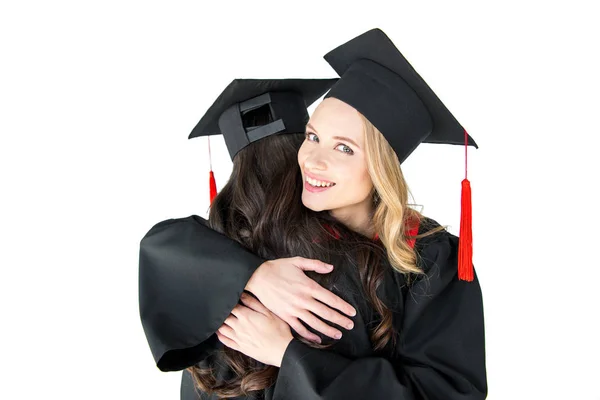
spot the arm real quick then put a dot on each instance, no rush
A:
(440, 352)
(191, 277)
(187, 288)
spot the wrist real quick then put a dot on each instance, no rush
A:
(252, 284)
(283, 348)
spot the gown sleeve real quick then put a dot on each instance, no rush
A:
(440, 352)
(190, 278)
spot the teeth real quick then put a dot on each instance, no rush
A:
(316, 183)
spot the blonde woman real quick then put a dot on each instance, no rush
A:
(371, 120)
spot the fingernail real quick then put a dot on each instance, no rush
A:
(318, 340)
(350, 325)
(329, 266)
(338, 335)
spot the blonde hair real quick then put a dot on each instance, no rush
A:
(392, 217)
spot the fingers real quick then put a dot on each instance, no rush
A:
(226, 335)
(243, 314)
(254, 304)
(330, 315)
(227, 342)
(296, 325)
(321, 326)
(307, 264)
(231, 320)
(333, 301)
(239, 312)
(227, 331)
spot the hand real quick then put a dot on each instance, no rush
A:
(256, 332)
(283, 287)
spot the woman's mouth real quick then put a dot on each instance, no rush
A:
(316, 185)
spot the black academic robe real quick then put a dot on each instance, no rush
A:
(191, 278)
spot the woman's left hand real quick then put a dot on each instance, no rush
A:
(256, 332)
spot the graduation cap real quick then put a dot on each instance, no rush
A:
(380, 83)
(251, 109)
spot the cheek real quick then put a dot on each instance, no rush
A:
(366, 178)
(364, 185)
(358, 177)
(301, 156)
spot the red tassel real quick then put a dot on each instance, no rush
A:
(213, 187)
(465, 240)
(212, 184)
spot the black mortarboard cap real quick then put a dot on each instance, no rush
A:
(379, 82)
(251, 109)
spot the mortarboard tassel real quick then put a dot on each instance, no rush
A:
(465, 241)
(213, 187)
(211, 180)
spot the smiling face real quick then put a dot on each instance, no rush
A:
(334, 165)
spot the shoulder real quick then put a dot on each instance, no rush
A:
(437, 249)
(175, 224)
(191, 220)
(437, 256)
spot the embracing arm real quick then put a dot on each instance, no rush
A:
(191, 277)
(440, 352)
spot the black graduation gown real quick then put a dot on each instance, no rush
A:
(439, 320)
(190, 278)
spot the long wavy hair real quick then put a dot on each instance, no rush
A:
(393, 217)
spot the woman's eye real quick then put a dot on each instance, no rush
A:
(345, 149)
(312, 137)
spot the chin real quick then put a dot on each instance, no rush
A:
(312, 205)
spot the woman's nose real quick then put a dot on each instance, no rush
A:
(315, 161)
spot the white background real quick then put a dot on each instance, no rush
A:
(97, 100)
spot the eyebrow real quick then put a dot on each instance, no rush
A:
(342, 138)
